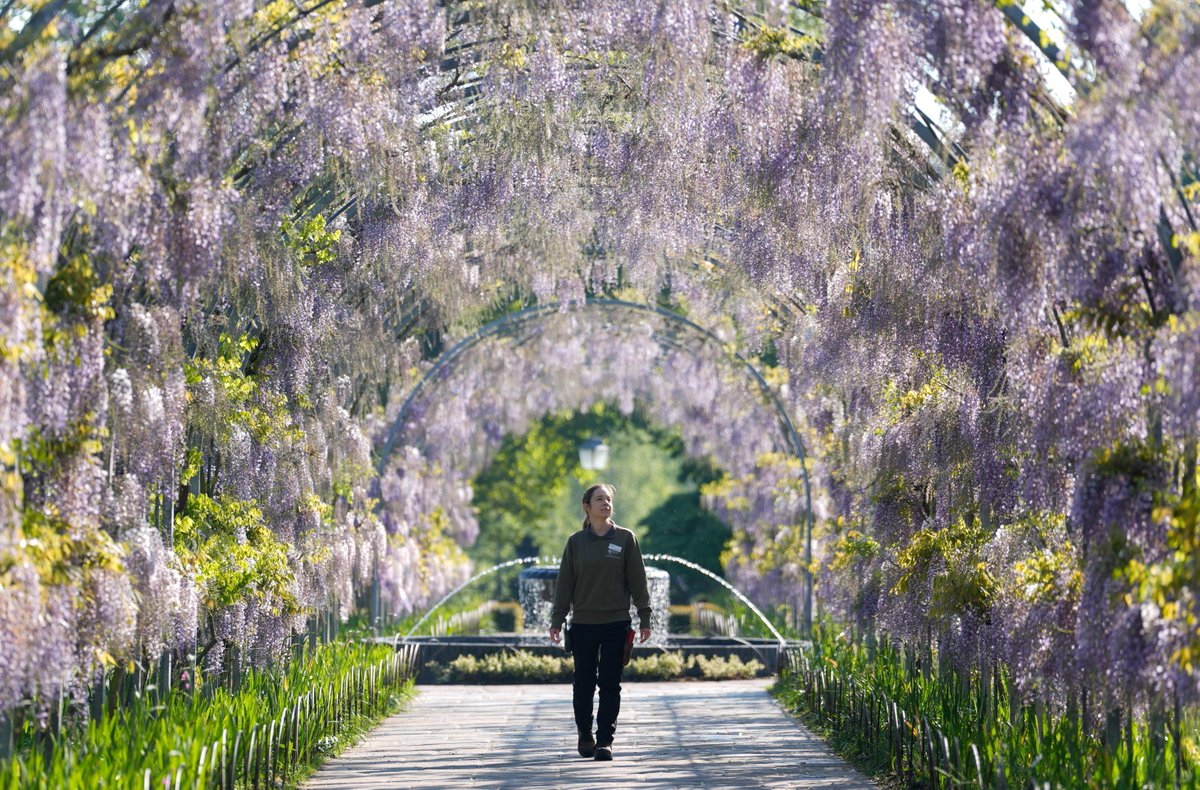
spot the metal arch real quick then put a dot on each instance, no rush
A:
(528, 315)
(506, 323)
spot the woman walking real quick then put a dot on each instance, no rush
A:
(601, 570)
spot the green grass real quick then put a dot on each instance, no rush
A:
(272, 731)
(883, 713)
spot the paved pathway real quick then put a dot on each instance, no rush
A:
(689, 735)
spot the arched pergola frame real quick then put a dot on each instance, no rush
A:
(513, 322)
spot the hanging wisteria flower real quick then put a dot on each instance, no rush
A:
(229, 254)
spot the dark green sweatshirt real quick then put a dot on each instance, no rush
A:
(597, 577)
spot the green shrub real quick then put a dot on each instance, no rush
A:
(852, 693)
(679, 620)
(435, 673)
(517, 667)
(656, 666)
(506, 617)
(719, 668)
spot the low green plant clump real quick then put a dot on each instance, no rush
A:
(679, 620)
(673, 666)
(506, 618)
(275, 728)
(725, 668)
(521, 666)
(891, 712)
(656, 666)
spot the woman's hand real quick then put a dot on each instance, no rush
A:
(643, 635)
(554, 634)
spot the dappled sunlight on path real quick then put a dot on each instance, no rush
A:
(711, 734)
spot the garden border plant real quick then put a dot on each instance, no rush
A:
(891, 713)
(522, 666)
(275, 729)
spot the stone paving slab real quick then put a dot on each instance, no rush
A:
(686, 735)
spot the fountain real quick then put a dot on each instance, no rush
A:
(536, 590)
(488, 572)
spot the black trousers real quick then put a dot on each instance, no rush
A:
(597, 650)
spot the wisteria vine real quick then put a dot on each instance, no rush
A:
(233, 234)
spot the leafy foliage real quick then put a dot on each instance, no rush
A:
(682, 527)
(949, 562)
(233, 554)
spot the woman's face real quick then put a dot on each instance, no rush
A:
(600, 508)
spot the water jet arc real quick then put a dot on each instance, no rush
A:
(551, 561)
(472, 580)
(738, 593)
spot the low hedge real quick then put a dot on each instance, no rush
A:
(517, 667)
(521, 666)
(506, 617)
(680, 620)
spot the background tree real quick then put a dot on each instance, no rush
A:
(526, 497)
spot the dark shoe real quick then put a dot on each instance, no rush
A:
(587, 745)
(604, 753)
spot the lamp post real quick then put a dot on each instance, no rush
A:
(593, 454)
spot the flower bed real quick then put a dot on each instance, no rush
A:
(522, 666)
